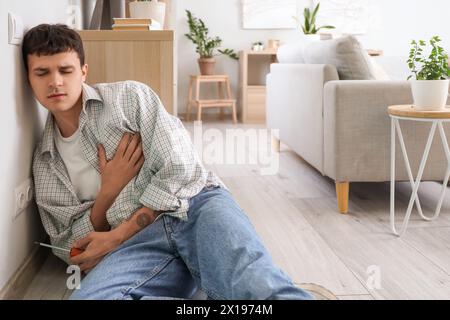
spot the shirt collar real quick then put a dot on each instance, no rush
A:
(89, 93)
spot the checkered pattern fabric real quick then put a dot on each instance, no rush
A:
(170, 176)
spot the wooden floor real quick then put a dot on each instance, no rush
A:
(295, 214)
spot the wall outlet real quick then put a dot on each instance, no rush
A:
(23, 195)
(15, 29)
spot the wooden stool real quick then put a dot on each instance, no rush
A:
(221, 101)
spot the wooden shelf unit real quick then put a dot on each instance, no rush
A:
(144, 56)
(254, 66)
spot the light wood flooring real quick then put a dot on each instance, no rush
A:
(295, 214)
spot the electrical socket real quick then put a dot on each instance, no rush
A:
(23, 195)
(15, 29)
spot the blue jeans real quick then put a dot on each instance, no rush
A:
(216, 250)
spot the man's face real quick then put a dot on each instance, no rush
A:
(57, 80)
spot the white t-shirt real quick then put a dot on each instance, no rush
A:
(85, 179)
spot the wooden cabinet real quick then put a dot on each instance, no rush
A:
(255, 107)
(254, 66)
(145, 56)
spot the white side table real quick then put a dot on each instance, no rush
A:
(436, 118)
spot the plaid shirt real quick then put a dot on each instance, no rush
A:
(170, 176)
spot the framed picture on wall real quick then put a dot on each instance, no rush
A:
(348, 16)
(271, 14)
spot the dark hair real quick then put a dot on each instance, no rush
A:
(50, 39)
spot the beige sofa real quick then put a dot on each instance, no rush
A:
(341, 127)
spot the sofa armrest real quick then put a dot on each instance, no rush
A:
(357, 132)
(294, 107)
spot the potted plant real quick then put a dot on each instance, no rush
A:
(148, 9)
(309, 28)
(257, 46)
(430, 86)
(198, 34)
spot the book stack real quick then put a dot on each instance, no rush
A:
(135, 24)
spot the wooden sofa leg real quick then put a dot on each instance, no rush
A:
(342, 189)
(276, 144)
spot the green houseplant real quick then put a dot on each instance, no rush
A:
(205, 45)
(430, 84)
(309, 21)
(257, 46)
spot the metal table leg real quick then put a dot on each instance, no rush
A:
(395, 127)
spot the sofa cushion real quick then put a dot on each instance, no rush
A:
(346, 54)
(378, 70)
(291, 52)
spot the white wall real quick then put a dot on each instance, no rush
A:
(399, 22)
(21, 123)
(404, 20)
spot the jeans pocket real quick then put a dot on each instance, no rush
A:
(211, 187)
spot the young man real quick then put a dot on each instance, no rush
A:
(118, 177)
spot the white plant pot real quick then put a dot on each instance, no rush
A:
(429, 94)
(149, 9)
(257, 47)
(311, 37)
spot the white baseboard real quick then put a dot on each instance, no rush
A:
(16, 287)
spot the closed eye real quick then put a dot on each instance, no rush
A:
(43, 74)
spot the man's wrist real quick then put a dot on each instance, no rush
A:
(105, 199)
(120, 233)
(107, 194)
(135, 223)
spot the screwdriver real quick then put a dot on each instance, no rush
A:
(73, 252)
